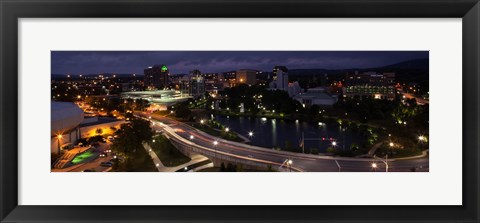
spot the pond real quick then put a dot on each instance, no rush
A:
(272, 133)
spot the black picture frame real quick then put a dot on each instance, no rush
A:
(11, 11)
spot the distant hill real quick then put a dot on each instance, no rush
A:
(418, 64)
(314, 71)
(416, 71)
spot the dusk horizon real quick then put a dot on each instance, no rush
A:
(182, 62)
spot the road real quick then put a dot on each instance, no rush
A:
(301, 162)
(419, 100)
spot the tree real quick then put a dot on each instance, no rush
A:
(182, 111)
(354, 147)
(330, 150)
(131, 135)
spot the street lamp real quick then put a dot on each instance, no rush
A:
(227, 129)
(202, 121)
(334, 143)
(250, 134)
(374, 167)
(289, 162)
(215, 147)
(59, 137)
(191, 137)
(391, 144)
(422, 138)
(385, 161)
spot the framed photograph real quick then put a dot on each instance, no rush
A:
(161, 111)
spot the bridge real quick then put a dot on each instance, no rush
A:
(218, 156)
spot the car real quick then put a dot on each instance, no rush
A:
(108, 150)
(103, 154)
(106, 164)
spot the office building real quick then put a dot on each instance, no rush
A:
(370, 84)
(156, 77)
(193, 85)
(276, 69)
(316, 96)
(294, 89)
(280, 78)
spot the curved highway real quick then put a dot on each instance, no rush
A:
(300, 162)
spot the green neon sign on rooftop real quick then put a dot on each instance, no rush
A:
(164, 68)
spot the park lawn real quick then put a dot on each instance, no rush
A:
(207, 129)
(139, 162)
(167, 153)
(143, 163)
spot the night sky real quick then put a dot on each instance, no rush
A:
(127, 62)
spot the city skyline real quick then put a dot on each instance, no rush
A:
(125, 62)
(374, 117)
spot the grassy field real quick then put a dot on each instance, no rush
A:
(140, 162)
(207, 129)
(167, 153)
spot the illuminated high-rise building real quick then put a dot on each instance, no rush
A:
(156, 77)
(193, 84)
(280, 78)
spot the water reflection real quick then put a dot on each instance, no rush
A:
(277, 133)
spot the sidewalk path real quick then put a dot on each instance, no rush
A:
(156, 161)
(162, 168)
(208, 165)
(195, 159)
